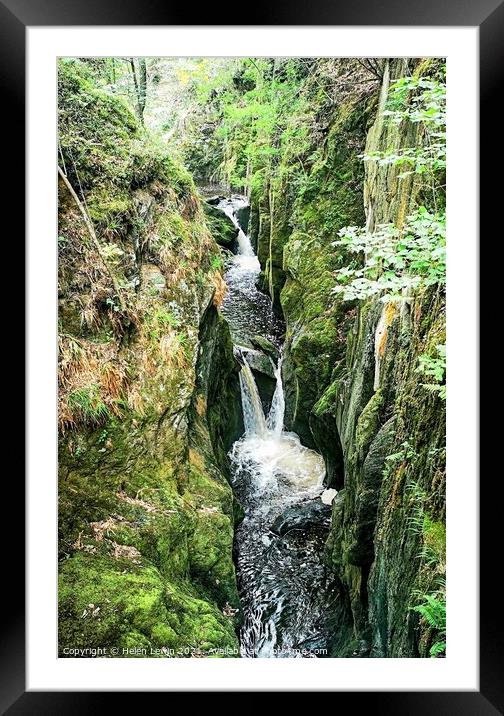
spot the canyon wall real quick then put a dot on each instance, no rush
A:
(149, 394)
(352, 383)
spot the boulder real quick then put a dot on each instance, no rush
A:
(221, 227)
(260, 363)
(309, 514)
(266, 346)
(214, 200)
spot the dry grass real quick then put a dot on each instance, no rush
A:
(91, 280)
(172, 351)
(102, 528)
(123, 551)
(92, 382)
(196, 459)
(136, 400)
(220, 289)
(201, 404)
(90, 316)
(113, 379)
(138, 502)
(190, 206)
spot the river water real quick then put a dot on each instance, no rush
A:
(287, 595)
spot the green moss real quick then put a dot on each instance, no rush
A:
(320, 342)
(105, 208)
(100, 599)
(95, 128)
(144, 506)
(203, 489)
(111, 603)
(368, 422)
(434, 537)
(221, 227)
(210, 549)
(327, 401)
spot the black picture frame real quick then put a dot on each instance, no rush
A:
(488, 15)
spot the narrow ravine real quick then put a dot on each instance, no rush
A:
(285, 591)
(209, 343)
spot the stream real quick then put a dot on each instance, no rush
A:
(287, 595)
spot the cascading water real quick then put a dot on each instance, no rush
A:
(285, 591)
(277, 411)
(247, 310)
(253, 416)
(245, 250)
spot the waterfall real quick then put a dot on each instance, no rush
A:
(229, 207)
(244, 245)
(285, 595)
(277, 411)
(253, 415)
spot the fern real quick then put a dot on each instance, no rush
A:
(437, 649)
(433, 612)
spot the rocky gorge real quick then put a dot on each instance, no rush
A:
(252, 461)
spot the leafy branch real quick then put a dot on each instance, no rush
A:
(394, 260)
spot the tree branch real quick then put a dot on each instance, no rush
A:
(93, 236)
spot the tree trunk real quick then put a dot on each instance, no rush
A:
(140, 84)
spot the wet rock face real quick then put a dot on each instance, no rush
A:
(260, 363)
(360, 550)
(217, 371)
(243, 216)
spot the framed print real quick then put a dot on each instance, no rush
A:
(252, 299)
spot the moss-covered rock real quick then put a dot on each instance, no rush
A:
(266, 346)
(129, 610)
(221, 227)
(149, 397)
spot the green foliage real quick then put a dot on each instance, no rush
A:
(432, 609)
(394, 261)
(434, 367)
(247, 107)
(406, 453)
(431, 605)
(112, 253)
(216, 263)
(88, 405)
(420, 100)
(159, 321)
(434, 542)
(95, 129)
(101, 144)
